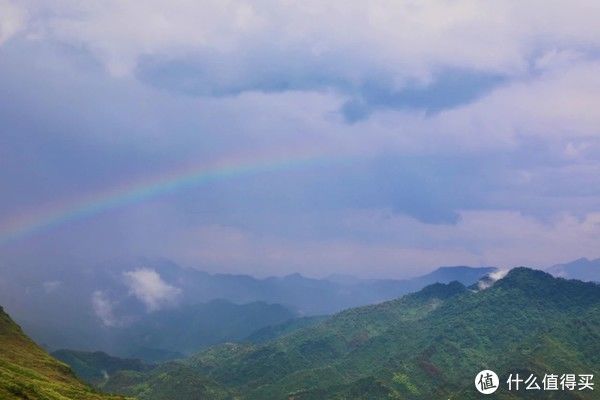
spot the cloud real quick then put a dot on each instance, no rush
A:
(223, 248)
(447, 90)
(103, 307)
(492, 278)
(461, 33)
(51, 286)
(376, 243)
(147, 285)
(12, 19)
(381, 54)
(473, 138)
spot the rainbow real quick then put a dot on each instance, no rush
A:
(50, 216)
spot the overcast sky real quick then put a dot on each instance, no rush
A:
(447, 132)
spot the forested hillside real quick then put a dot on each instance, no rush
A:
(430, 344)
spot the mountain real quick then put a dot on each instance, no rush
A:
(309, 296)
(274, 331)
(190, 328)
(28, 372)
(89, 308)
(390, 289)
(96, 367)
(465, 275)
(582, 269)
(426, 345)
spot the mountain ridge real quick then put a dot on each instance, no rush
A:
(86, 308)
(428, 344)
(583, 269)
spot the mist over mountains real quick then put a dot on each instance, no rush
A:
(135, 309)
(422, 345)
(425, 345)
(96, 308)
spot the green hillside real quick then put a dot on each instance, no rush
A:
(28, 372)
(274, 331)
(95, 367)
(169, 380)
(172, 380)
(428, 345)
(191, 328)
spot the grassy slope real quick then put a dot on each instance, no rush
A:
(28, 372)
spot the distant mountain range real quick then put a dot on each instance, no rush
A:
(189, 328)
(429, 344)
(582, 269)
(426, 345)
(95, 308)
(308, 296)
(96, 367)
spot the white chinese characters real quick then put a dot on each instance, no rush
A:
(487, 382)
(551, 382)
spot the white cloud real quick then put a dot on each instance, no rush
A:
(51, 286)
(12, 19)
(400, 40)
(147, 285)
(492, 278)
(406, 38)
(119, 32)
(557, 105)
(103, 307)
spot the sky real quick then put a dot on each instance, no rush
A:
(378, 139)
